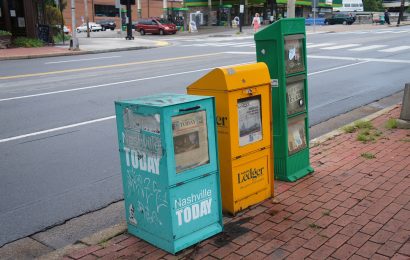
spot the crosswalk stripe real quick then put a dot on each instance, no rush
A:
(395, 49)
(340, 46)
(370, 47)
(319, 45)
(250, 44)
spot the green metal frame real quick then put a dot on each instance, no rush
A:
(270, 48)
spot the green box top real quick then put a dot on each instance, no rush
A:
(278, 29)
(162, 100)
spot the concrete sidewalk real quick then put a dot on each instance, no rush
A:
(98, 44)
(356, 205)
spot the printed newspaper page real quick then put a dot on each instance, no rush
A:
(249, 120)
(190, 136)
(296, 135)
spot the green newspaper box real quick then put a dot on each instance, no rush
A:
(282, 46)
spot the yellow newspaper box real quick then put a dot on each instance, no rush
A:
(243, 110)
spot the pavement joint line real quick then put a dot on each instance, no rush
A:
(108, 66)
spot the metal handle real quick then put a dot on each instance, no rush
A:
(189, 108)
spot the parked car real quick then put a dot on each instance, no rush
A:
(155, 26)
(65, 29)
(107, 24)
(93, 27)
(340, 19)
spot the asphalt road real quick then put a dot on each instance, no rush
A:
(58, 148)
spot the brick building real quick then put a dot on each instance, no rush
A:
(19, 17)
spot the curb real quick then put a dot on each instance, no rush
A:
(74, 53)
(339, 131)
(94, 239)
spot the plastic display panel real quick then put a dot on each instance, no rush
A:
(249, 120)
(296, 134)
(295, 95)
(142, 141)
(294, 56)
(190, 135)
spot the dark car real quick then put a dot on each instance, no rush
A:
(340, 19)
(107, 24)
(155, 26)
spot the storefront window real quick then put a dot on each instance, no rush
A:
(106, 10)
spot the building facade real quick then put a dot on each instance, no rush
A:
(19, 17)
(206, 12)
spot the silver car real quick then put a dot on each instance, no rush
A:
(93, 27)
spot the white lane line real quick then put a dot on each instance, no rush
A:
(332, 57)
(358, 59)
(337, 47)
(244, 45)
(380, 32)
(319, 45)
(102, 85)
(336, 68)
(56, 129)
(65, 61)
(370, 47)
(400, 32)
(395, 49)
(241, 52)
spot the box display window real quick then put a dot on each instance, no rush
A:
(295, 97)
(296, 134)
(294, 54)
(249, 120)
(190, 135)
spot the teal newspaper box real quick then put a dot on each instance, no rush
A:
(170, 170)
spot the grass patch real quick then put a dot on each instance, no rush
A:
(365, 135)
(326, 213)
(59, 38)
(314, 226)
(391, 123)
(349, 129)
(368, 155)
(405, 140)
(27, 42)
(361, 124)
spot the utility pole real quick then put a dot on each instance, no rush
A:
(241, 14)
(315, 4)
(74, 41)
(401, 12)
(87, 20)
(129, 22)
(291, 9)
(209, 12)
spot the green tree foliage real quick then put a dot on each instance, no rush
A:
(372, 5)
(52, 13)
